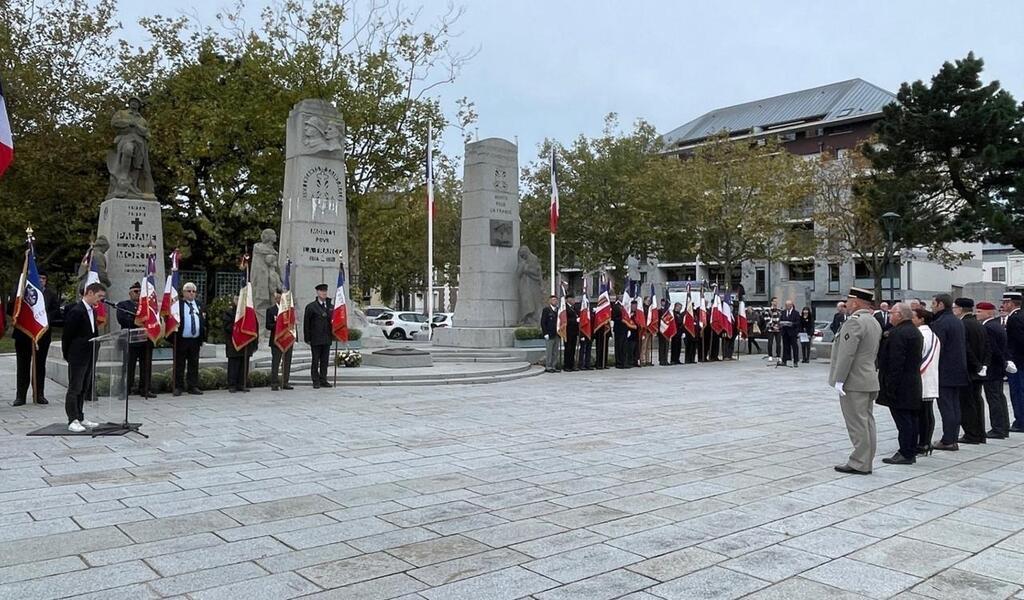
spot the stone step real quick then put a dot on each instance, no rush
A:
(532, 371)
(361, 375)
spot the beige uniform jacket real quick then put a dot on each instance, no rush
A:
(854, 352)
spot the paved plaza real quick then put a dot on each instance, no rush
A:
(694, 482)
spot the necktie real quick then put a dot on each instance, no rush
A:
(192, 318)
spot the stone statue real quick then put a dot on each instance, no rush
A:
(320, 134)
(633, 268)
(266, 274)
(99, 256)
(128, 163)
(530, 289)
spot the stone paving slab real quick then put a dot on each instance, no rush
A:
(715, 482)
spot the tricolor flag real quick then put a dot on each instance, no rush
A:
(603, 312)
(93, 276)
(246, 327)
(627, 305)
(667, 326)
(741, 319)
(284, 324)
(703, 307)
(6, 139)
(170, 311)
(719, 321)
(339, 318)
(640, 315)
(29, 306)
(147, 316)
(689, 319)
(585, 329)
(652, 313)
(431, 208)
(727, 312)
(553, 217)
(563, 315)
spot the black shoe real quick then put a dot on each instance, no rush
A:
(948, 447)
(42, 400)
(850, 470)
(274, 388)
(232, 390)
(195, 391)
(925, 450)
(18, 402)
(287, 387)
(148, 395)
(245, 390)
(899, 459)
(967, 440)
(1017, 429)
(995, 435)
(177, 392)
(316, 386)
(325, 384)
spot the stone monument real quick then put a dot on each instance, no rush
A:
(130, 218)
(530, 288)
(314, 215)
(265, 276)
(488, 309)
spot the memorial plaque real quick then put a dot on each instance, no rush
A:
(501, 233)
(130, 226)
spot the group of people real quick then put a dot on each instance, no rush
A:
(911, 356)
(789, 333)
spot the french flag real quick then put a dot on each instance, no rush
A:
(689, 321)
(339, 318)
(284, 325)
(6, 138)
(585, 329)
(553, 217)
(148, 314)
(169, 309)
(741, 319)
(652, 313)
(603, 312)
(563, 316)
(92, 277)
(29, 307)
(246, 327)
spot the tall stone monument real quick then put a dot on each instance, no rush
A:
(488, 308)
(130, 218)
(314, 216)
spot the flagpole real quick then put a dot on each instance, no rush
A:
(429, 297)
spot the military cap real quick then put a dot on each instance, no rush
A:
(861, 294)
(985, 306)
(135, 286)
(964, 302)
(1015, 296)
(322, 287)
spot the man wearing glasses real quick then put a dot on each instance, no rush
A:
(191, 334)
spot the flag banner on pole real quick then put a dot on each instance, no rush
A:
(93, 276)
(585, 329)
(741, 319)
(667, 325)
(246, 327)
(6, 137)
(719, 321)
(553, 217)
(689, 319)
(147, 316)
(170, 311)
(727, 315)
(29, 306)
(703, 306)
(431, 207)
(603, 312)
(640, 315)
(652, 313)
(339, 318)
(563, 315)
(627, 305)
(284, 324)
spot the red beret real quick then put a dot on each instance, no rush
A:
(985, 306)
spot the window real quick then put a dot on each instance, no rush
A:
(801, 271)
(999, 274)
(760, 286)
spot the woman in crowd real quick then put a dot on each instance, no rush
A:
(929, 379)
(806, 334)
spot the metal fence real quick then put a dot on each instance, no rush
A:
(228, 284)
(196, 277)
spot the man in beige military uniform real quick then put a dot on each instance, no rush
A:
(853, 374)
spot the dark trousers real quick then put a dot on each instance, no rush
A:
(280, 365)
(1016, 381)
(602, 349)
(585, 345)
(318, 366)
(711, 345)
(676, 348)
(79, 390)
(569, 354)
(692, 345)
(805, 351)
(23, 352)
(237, 372)
(141, 355)
(949, 409)
(631, 353)
(972, 412)
(728, 344)
(925, 424)
(790, 347)
(774, 344)
(752, 343)
(663, 347)
(188, 361)
(906, 426)
(998, 415)
(621, 348)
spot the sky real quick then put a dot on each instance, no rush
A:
(554, 69)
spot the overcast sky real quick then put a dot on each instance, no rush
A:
(555, 68)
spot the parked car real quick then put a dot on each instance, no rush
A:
(442, 320)
(401, 325)
(821, 331)
(372, 312)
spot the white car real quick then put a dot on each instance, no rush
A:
(442, 320)
(372, 312)
(401, 325)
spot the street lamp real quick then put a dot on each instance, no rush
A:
(889, 221)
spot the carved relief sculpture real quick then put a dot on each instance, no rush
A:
(319, 134)
(529, 275)
(266, 274)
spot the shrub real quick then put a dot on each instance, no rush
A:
(161, 382)
(213, 378)
(528, 333)
(259, 379)
(348, 358)
(215, 312)
(102, 384)
(354, 334)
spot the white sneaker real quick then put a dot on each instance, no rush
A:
(89, 424)
(76, 427)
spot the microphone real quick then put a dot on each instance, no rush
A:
(116, 307)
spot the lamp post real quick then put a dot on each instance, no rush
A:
(889, 221)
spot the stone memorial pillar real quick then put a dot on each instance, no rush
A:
(314, 216)
(488, 308)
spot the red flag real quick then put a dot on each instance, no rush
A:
(169, 307)
(284, 324)
(741, 319)
(667, 326)
(29, 306)
(93, 276)
(339, 318)
(585, 329)
(553, 216)
(148, 314)
(689, 320)
(652, 313)
(563, 316)
(246, 327)
(603, 312)
(6, 139)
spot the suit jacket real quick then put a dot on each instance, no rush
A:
(127, 320)
(271, 318)
(899, 367)
(316, 323)
(837, 321)
(883, 319)
(854, 353)
(572, 321)
(78, 330)
(1015, 336)
(549, 321)
(953, 354)
(789, 322)
(997, 350)
(618, 328)
(183, 311)
(976, 343)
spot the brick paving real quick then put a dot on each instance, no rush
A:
(711, 482)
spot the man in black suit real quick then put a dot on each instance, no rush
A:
(882, 316)
(139, 353)
(838, 319)
(681, 338)
(586, 343)
(663, 344)
(619, 330)
(23, 350)
(79, 328)
(549, 327)
(1014, 323)
(972, 407)
(188, 340)
(601, 337)
(572, 333)
(789, 325)
(238, 358)
(316, 331)
(995, 371)
(280, 362)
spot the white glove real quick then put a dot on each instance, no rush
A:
(839, 388)
(983, 372)
(546, 336)
(1011, 368)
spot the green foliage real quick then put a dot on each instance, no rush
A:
(259, 379)
(161, 382)
(213, 378)
(102, 385)
(354, 334)
(528, 333)
(215, 313)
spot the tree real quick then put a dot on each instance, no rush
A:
(951, 154)
(741, 195)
